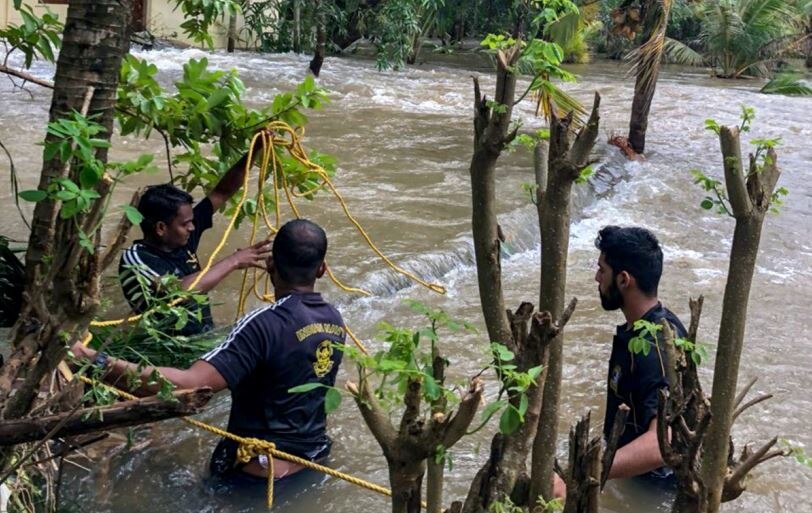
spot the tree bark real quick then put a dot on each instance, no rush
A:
(565, 164)
(297, 26)
(648, 69)
(321, 39)
(232, 33)
(90, 420)
(416, 439)
(750, 196)
(62, 279)
(491, 135)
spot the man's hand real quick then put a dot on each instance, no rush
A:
(80, 352)
(559, 487)
(252, 256)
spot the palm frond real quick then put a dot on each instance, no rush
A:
(549, 96)
(645, 59)
(679, 53)
(564, 29)
(790, 84)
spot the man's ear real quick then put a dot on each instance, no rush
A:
(322, 270)
(624, 280)
(160, 228)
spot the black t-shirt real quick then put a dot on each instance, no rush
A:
(271, 350)
(634, 379)
(153, 263)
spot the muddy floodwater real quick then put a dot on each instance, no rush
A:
(403, 143)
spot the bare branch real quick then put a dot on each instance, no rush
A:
(741, 395)
(120, 236)
(26, 76)
(734, 176)
(374, 415)
(696, 313)
(611, 445)
(749, 404)
(460, 421)
(90, 420)
(585, 140)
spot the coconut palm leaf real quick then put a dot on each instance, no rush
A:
(790, 84)
(740, 36)
(549, 96)
(678, 52)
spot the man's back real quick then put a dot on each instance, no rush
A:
(271, 350)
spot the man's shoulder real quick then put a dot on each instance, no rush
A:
(141, 256)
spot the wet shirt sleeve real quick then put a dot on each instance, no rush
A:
(203, 213)
(240, 353)
(649, 377)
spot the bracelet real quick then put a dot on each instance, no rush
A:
(101, 359)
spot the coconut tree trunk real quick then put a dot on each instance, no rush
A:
(232, 33)
(62, 279)
(648, 69)
(297, 26)
(321, 39)
(750, 196)
(565, 162)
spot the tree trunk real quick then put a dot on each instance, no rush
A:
(62, 279)
(406, 479)
(89, 420)
(648, 69)
(297, 26)
(565, 163)
(750, 197)
(232, 33)
(321, 40)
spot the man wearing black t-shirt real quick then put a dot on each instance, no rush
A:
(272, 349)
(629, 269)
(172, 230)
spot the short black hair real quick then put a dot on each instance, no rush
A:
(634, 250)
(160, 203)
(298, 251)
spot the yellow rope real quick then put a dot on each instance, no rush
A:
(252, 447)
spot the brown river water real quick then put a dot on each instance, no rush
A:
(403, 143)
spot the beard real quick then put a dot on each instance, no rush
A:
(613, 299)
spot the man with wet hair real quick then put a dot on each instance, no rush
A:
(171, 234)
(629, 269)
(272, 349)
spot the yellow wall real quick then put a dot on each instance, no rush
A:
(163, 20)
(9, 15)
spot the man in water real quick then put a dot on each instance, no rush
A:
(172, 230)
(270, 350)
(629, 269)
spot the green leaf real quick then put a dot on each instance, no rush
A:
(307, 387)
(133, 215)
(217, 98)
(332, 400)
(33, 195)
(707, 203)
(493, 407)
(510, 420)
(431, 388)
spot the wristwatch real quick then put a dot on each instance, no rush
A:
(100, 361)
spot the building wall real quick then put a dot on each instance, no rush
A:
(163, 20)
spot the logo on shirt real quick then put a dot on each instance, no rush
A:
(192, 260)
(324, 361)
(614, 379)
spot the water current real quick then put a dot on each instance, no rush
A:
(403, 143)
